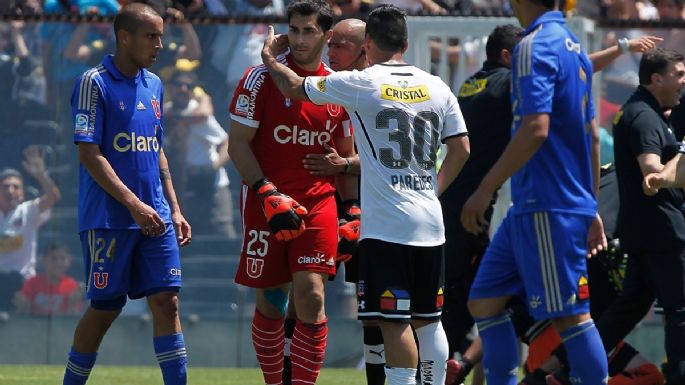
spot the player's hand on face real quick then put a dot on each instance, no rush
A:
(596, 239)
(274, 45)
(151, 224)
(182, 227)
(324, 164)
(473, 212)
(644, 43)
(652, 183)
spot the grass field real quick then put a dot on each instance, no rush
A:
(149, 375)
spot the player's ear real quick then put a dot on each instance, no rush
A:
(122, 36)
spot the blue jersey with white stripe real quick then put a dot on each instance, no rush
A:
(551, 74)
(123, 116)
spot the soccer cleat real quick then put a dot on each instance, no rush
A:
(535, 378)
(647, 374)
(457, 371)
(560, 377)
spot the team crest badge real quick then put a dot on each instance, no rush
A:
(583, 289)
(395, 300)
(334, 110)
(439, 299)
(156, 108)
(122, 106)
(288, 102)
(100, 280)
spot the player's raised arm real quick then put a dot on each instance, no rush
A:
(603, 58)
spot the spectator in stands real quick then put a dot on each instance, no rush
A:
(83, 7)
(24, 85)
(202, 145)
(417, 6)
(52, 291)
(190, 7)
(358, 9)
(181, 48)
(22, 7)
(620, 9)
(669, 9)
(19, 222)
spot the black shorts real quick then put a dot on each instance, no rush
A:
(352, 268)
(400, 282)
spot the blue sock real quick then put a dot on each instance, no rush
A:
(586, 355)
(500, 349)
(171, 355)
(78, 367)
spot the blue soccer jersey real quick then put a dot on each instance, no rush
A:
(552, 75)
(124, 117)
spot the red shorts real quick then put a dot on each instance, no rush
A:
(267, 262)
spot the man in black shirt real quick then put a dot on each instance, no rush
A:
(651, 228)
(484, 99)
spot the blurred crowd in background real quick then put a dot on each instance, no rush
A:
(202, 60)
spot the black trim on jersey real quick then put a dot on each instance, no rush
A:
(395, 64)
(401, 74)
(455, 136)
(373, 151)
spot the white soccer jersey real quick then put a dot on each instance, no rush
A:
(400, 114)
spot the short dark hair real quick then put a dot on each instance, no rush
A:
(678, 3)
(324, 14)
(502, 37)
(547, 3)
(130, 17)
(10, 173)
(188, 76)
(657, 61)
(387, 27)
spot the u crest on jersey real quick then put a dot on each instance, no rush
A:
(100, 280)
(254, 267)
(156, 108)
(334, 110)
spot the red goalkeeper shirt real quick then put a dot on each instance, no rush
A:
(287, 130)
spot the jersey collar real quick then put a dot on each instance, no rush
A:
(649, 98)
(302, 72)
(108, 62)
(547, 17)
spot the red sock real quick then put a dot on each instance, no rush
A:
(307, 351)
(268, 340)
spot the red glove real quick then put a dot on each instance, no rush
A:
(351, 210)
(348, 238)
(282, 212)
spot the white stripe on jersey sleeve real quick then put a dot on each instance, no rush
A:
(245, 121)
(86, 89)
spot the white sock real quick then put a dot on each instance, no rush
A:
(401, 376)
(433, 351)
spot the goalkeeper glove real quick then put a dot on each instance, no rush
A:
(283, 213)
(348, 238)
(351, 210)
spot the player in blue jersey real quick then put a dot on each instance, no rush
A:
(129, 230)
(553, 160)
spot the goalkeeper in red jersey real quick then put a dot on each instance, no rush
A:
(290, 220)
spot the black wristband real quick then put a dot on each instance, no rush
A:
(259, 183)
(348, 166)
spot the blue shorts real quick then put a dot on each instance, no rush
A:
(120, 262)
(540, 256)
